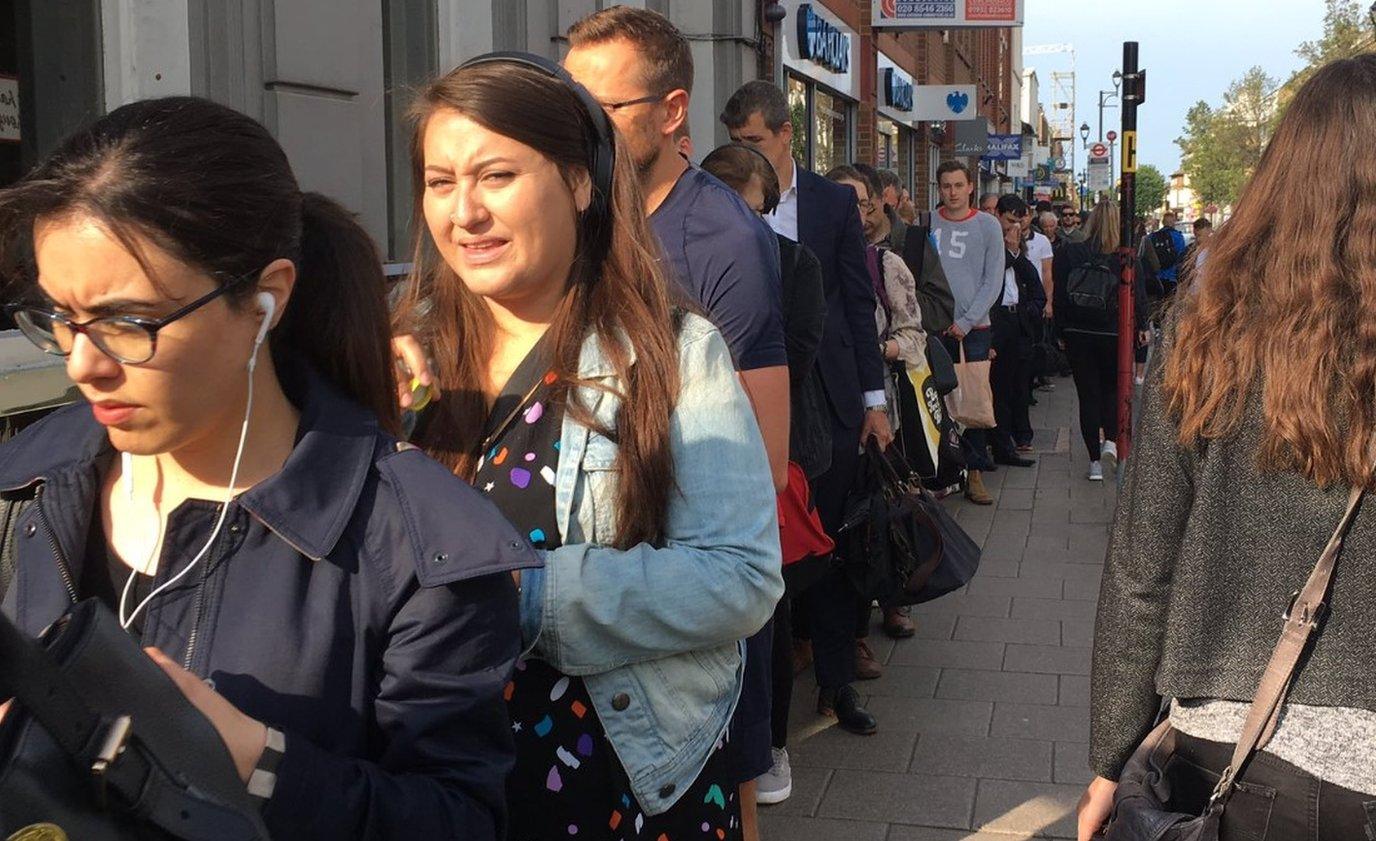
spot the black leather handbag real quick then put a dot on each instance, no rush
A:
(101, 745)
(1142, 802)
(897, 543)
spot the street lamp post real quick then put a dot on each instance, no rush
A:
(1084, 144)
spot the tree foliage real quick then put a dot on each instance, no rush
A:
(1221, 146)
(1150, 190)
(1347, 31)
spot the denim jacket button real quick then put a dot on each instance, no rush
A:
(620, 701)
(667, 790)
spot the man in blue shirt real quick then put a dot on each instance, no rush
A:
(1169, 247)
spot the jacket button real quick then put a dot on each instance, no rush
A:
(235, 528)
(620, 701)
(666, 790)
(30, 530)
(514, 545)
(441, 557)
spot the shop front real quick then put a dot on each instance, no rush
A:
(823, 86)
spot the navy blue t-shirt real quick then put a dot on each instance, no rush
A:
(727, 259)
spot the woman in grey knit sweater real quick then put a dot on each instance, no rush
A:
(1260, 418)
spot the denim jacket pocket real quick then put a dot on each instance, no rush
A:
(601, 475)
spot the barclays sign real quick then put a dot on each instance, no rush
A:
(898, 91)
(821, 42)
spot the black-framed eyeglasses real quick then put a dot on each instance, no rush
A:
(128, 339)
(617, 106)
(866, 205)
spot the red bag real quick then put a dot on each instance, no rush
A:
(800, 529)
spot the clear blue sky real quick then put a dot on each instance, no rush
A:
(1191, 50)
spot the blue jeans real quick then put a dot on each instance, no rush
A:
(975, 441)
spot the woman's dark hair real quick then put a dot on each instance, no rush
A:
(872, 178)
(214, 189)
(1292, 329)
(623, 299)
(736, 163)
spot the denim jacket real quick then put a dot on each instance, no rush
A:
(655, 631)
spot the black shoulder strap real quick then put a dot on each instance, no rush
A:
(9, 523)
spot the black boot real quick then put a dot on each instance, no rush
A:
(844, 704)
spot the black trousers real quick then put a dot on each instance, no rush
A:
(1275, 801)
(828, 606)
(1010, 378)
(1094, 365)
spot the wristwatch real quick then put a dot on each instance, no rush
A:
(263, 781)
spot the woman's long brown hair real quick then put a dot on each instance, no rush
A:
(1286, 300)
(623, 298)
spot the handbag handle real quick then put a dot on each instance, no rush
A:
(1302, 619)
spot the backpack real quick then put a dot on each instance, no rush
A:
(1092, 288)
(1164, 245)
(933, 292)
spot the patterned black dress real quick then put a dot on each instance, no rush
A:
(568, 782)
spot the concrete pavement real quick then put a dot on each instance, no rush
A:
(983, 717)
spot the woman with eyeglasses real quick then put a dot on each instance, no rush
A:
(340, 607)
(607, 422)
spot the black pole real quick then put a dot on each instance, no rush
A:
(1134, 93)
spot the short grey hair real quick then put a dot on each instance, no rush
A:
(889, 178)
(757, 96)
(1047, 218)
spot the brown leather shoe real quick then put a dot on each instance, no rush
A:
(866, 665)
(802, 656)
(974, 489)
(898, 624)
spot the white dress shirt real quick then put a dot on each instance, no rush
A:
(1010, 288)
(784, 219)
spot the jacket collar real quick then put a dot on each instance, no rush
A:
(308, 502)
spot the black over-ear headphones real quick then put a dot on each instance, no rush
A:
(602, 143)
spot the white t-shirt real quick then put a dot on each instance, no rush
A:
(1039, 249)
(1010, 288)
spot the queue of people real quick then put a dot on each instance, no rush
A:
(501, 558)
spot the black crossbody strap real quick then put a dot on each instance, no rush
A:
(9, 523)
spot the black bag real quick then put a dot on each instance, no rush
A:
(1092, 290)
(102, 744)
(1141, 803)
(933, 291)
(1164, 245)
(897, 544)
(943, 368)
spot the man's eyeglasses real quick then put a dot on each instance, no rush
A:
(128, 339)
(613, 107)
(866, 205)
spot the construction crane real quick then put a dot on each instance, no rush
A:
(1063, 93)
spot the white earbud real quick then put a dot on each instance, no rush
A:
(268, 305)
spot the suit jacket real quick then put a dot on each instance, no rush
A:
(849, 358)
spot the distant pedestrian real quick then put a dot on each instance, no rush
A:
(988, 203)
(1086, 307)
(1168, 244)
(1252, 431)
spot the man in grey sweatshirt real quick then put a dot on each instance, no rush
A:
(970, 245)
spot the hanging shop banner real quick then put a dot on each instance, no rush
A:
(9, 109)
(819, 46)
(895, 91)
(944, 102)
(1004, 147)
(971, 137)
(945, 14)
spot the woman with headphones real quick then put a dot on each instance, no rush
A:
(578, 394)
(340, 607)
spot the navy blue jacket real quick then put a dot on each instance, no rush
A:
(359, 601)
(849, 358)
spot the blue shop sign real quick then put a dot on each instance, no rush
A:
(898, 92)
(1004, 147)
(821, 42)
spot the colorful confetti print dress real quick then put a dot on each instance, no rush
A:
(568, 783)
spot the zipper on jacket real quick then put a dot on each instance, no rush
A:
(200, 603)
(63, 568)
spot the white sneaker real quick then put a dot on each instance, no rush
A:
(776, 784)
(1096, 471)
(1108, 453)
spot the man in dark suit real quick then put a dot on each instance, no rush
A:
(824, 216)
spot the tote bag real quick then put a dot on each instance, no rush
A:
(972, 403)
